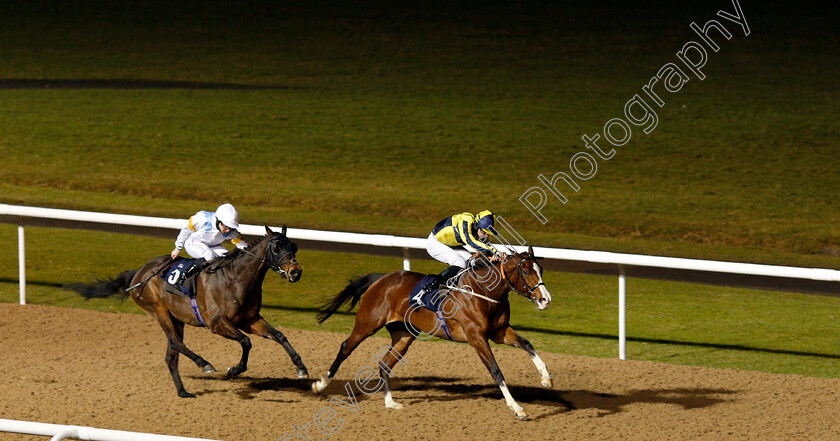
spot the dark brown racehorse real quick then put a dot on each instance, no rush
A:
(479, 310)
(228, 296)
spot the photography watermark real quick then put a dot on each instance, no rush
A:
(638, 113)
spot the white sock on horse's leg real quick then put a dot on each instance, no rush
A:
(511, 403)
(321, 384)
(546, 378)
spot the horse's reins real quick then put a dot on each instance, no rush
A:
(472, 293)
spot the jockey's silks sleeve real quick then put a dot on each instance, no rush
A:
(457, 230)
(186, 231)
(238, 241)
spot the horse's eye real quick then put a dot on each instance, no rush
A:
(525, 272)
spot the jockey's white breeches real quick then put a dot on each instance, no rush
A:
(451, 256)
(198, 249)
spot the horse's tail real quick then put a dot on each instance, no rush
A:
(105, 287)
(352, 292)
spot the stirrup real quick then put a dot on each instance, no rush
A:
(425, 290)
(190, 272)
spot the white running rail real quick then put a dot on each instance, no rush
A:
(86, 219)
(59, 432)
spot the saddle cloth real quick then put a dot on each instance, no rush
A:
(174, 274)
(431, 300)
(187, 288)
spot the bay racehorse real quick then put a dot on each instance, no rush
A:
(479, 310)
(228, 298)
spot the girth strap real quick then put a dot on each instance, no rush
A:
(443, 326)
(194, 306)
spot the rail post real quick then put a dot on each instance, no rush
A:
(21, 265)
(622, 315)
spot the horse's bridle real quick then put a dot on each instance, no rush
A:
(529, 294)
(289, 257)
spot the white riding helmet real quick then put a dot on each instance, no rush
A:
(227, 215)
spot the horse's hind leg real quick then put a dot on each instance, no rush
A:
(480, 344)
(510, 337)
(172, 363)
(263, 329)
(224, 327)
(400, 341)
(174, 330)
(361, 331)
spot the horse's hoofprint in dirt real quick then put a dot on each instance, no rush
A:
(72, 366)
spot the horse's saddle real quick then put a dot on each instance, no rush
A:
(433, 299)
(176, 282)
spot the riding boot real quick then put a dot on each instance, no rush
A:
(196, 267)
(439, 281)
(448, 273)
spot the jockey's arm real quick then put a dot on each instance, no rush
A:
(468, 238)
(241, 244)
(182, 238)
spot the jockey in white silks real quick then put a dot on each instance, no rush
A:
(204, 234)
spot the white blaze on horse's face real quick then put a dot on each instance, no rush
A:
(544, 300)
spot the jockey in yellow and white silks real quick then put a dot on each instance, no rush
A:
(449, 237)
(205, 232)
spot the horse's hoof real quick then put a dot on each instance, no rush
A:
(320, 385)
(185, 394)
(521, 415)
(209, 368)
(547, 383)
(233, 371)
(394, 405)
(302, 373)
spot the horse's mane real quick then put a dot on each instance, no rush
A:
(479, 263)
(228, 258)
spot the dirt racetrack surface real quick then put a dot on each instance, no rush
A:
(79, 367)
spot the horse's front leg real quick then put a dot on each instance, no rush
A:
(224, 327)
(480, 344)
(261, 327)
(508, 336)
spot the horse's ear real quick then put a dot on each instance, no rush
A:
(268, 230)
(530, 251)
(284, 230)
